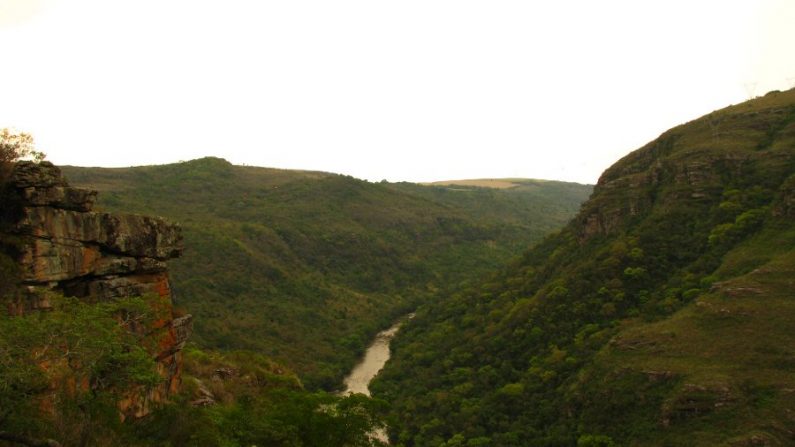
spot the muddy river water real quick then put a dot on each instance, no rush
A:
(373, 361)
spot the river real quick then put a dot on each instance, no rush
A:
(374, 359)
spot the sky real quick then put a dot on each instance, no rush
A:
(399, 90)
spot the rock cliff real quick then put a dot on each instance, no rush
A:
(66, 247)
(692, 163)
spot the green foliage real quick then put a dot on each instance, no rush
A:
(641, 330)
(275, 418)
(63, 371)
(257, 402)
(15, 146)
(306, 267)
(595, 441)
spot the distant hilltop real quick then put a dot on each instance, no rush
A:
(495, 183)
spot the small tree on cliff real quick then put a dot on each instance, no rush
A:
(15, 146)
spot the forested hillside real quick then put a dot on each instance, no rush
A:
(662, 315)
(105, 365)
(306, 266)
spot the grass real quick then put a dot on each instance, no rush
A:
(480, 183)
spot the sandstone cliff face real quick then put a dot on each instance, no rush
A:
(68, 248)
(693, 163)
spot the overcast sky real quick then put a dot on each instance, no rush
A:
(399, 90)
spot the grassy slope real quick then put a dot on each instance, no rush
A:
(662, 315)
(306, 266)
(484, 183)
(724, 360)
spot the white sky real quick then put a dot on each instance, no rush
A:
(402, 90)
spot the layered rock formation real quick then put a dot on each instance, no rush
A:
(692, 163)
(68, 248)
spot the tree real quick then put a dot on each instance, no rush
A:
(595, 441)
(16, 146)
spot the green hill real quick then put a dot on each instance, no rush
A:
(306, 267)
(662, 315)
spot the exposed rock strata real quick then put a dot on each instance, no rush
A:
(96, 256)
(659, 173)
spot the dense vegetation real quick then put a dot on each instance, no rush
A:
(63, 373)
(661, 315)
(306, 267)
(241, 398)
(70, 371)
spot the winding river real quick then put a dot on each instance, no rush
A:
(374, 359)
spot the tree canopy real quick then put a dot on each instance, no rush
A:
(15, 145)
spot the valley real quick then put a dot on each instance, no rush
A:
(306, 267)
(397, 223)
(653, 309)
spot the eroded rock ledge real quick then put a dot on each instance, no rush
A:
(68, 248)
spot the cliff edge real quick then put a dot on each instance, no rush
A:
(65, 247)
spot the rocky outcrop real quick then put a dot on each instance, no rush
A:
(626, 194)
(692, 164)
(68, 248)
(693, 400)
(785, 205)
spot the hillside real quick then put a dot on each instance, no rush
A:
(91, 348)
(497, 183)
(661, 315)
(306, 266)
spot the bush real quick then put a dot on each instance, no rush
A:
(595, 441)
